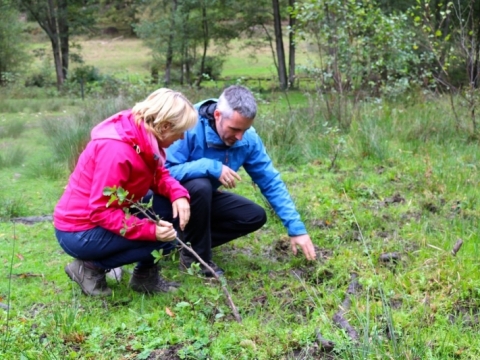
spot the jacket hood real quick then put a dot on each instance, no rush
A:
(122, 127)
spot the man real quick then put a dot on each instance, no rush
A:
(209, 156)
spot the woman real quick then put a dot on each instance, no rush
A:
(126, 151)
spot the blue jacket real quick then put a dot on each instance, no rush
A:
(201, 154)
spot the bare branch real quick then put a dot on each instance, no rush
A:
(457, 247)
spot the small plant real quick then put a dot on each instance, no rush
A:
(12, 156)
(121, 195)
(49, 168)
(11, 207)
(12, 129)
(69, 136)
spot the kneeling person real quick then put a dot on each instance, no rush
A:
(209, 156)
(126, 151)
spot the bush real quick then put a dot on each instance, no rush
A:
(50, 169)
(85, 74)
(11, 207)
(69, 136)
(12, 129)
(12, 156)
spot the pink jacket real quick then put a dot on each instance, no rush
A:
(119, 154)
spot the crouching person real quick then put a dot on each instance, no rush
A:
(126, 151)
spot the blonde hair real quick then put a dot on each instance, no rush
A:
(165, 106)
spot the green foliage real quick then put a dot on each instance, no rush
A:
(12, 206)
(49, 168)
(120, 14)
(12, 156)
(12, 43)
(424, 306)
(360, 49)
(370, 140)
(85, 74)
(69, 135)
(42, 75)
(183, 40)
(11, 129)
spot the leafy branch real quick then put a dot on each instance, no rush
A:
(121, 196)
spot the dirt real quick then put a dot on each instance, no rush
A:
(310, 353)
(465, 312)
(169, 353)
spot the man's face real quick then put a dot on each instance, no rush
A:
(231, 129)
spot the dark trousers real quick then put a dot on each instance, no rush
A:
(218, 217)
(109, 250)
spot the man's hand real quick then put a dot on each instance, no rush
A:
(228, 176)
(305, 244)
(181, 208)
(164, 231)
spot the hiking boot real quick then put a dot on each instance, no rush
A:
(92, 281)
(115, 274)
(149, 281)
(186, 262)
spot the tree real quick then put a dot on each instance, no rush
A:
(277, 24)
(181, 33)
(291, 44)
(59, 19)
(119, 14)
(264, 15)
(451, 32)
(12, 49)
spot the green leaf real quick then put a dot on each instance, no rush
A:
(112, 199)
(122, 194)
(182, 304)
(107, 191)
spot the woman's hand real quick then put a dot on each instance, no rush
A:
(164, 231)
(181, 208)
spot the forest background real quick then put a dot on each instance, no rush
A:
(369, 109)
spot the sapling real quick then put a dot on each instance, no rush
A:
(121, 196)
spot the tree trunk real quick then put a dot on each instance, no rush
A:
(63, 30)
(282, 71)
(474, 76)
(169, 57)
(291, 48)
(205, 45)
(54, 39)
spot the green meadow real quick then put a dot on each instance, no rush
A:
(385, 200)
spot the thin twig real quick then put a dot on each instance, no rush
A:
(224, 287)
(236, 314)
(457, 247)
(338, 317)
(334, 158)
(325, 345)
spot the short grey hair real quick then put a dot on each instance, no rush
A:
(237, 98)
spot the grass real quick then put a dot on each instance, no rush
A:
(402, 180)
(424, 306)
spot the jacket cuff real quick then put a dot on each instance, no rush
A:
(297, 229)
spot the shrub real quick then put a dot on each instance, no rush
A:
(12, 156)
(68, 136)
(12, 129)
(49, 168)
(11, 207)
